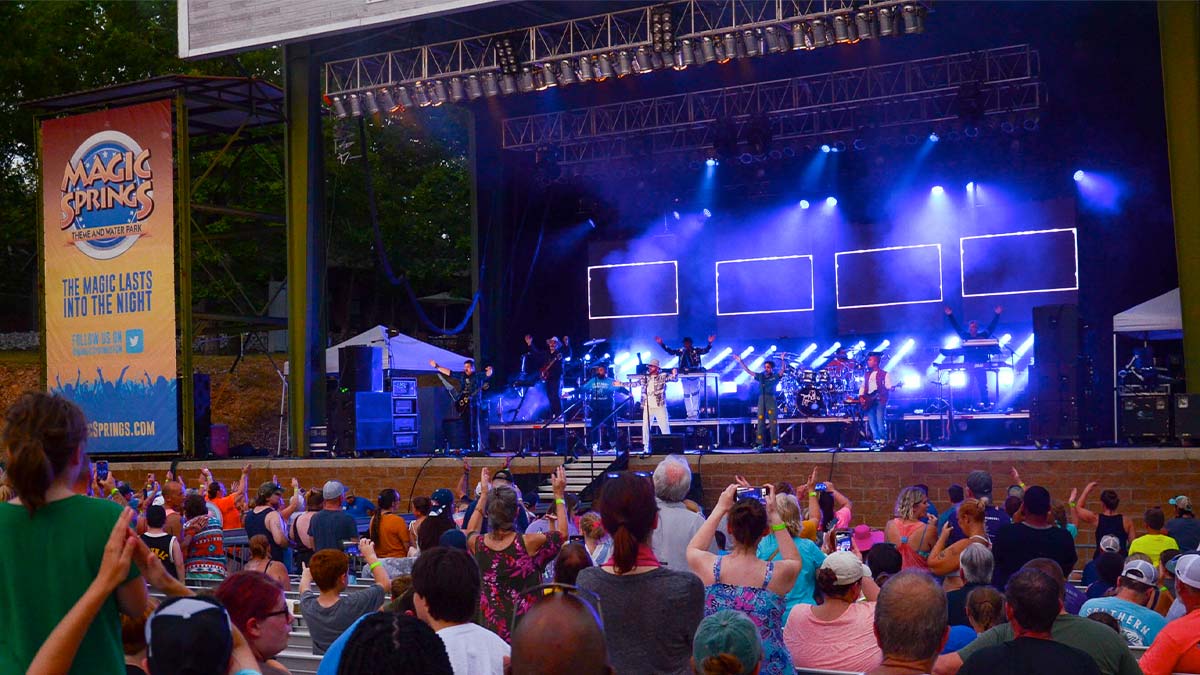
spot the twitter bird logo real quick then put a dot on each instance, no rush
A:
(135, 341)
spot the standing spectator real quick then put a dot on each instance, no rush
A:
(908, 531)
(560, 635)
(595, 539)
(1031, 609)
(171, 499)
(332, 526)
(828, 508)
(884, 561)
(1139, 624)
(811, 556)
(956, 497)
(943, 559)
(572, 559)
(446, 590)
(650, 612)
(931, 510)
(727, 643)
(676, 523)
(194, 635)
(837, 634)
(388, 530)
(740, 580)
(1034, 537)
(1108, 522)
(511, 562)
(1156, 540)
(1107, 648)
(265, 519)
(227, 503)
(388, 642)
(979, 487)
(327, 614)
(977, 567)
(1175, 649)
(260, 561)
(300, 540)
(502, 478)
(161, 543)
(258, 607)
(203, 542)
(1184, 528)
(910, 624)
(358, 507)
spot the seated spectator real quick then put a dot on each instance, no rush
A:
(985, 609)
(1139, 624)
(266, 519)
(1032, 605)
(1034, 537)
(420, 508)
(359, 507)
(1108, 522)
(649, 612)
(194, 635)
(260, 561)
(203, 542)
(549, 521)
(227, 502)
(511, 562)
(163, 544)
(836, 635)
(955, 492)
(1108, 567)
(1012, 506)
(571, 560)
(388, 643)
(439, 520)
(595, 539)
(944, 558)
(1061, 518)
(133, 639)
(811, 555)
(389, 532)
(332, 527)
(1107, 649)
(446, 590)
(299, 538)
(327, 614)
(1163, 597)
(1155, 541)
(1175, 648)
(677, 524)
(727, 643)
(883, 559)
(1106, 619)
(258, 607)
(1184, 528)
(910, 624)
(908, 531)
(1107, 544)
(748, 584)
(931, 510)
(977, 565)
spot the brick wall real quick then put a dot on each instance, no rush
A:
(1143, 477)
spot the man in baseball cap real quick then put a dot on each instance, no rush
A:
(1175, 649)
(727, 633)
(442, 500)
(331, 527)
(1139, 624)
(1184, 528)
(193, 635)
(979, 486)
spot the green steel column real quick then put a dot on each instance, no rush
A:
(183, 216)
(305, 245)
(1179, 36)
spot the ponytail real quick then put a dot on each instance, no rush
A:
(721, 664)
(628, 511)
(625, 549)
(42, 433)
(387, 499)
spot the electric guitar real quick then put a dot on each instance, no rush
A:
(463, 400)
(556, 357)
(867, 402)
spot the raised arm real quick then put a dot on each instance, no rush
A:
(991, 328)
(745, 367)
(559, 481)
(954, 322)
(441, 369)
(669, 350)
(699, 557)
(1084, 516)
(366, 549)
(708, 347)
(242, 484)
(788, 568)
(293, 505)
(942, 560)
(840, 501)
(473, 527)
(463, 481)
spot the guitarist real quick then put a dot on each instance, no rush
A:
(552, 368)
(873, 395)
(468, 385)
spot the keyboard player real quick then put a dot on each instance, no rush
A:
(976, 359)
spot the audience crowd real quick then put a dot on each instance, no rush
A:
(200, 578)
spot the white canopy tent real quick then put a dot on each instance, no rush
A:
(1159, 318)
(400, 352)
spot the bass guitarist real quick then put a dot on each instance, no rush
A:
(551, 370)
(469, 386)
(873, 395)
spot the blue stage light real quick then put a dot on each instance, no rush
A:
(707, 213)
(804, 203)
(937, 191)
(676, 214)
(825, 148)
(970, 186)
(711, 161)
(1078, 175)
(934, 138)
(831, 201)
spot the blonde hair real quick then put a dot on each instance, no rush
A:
(971, 510)
(788, 508)
(907, 502)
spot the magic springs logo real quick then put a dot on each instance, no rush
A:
(107, 195)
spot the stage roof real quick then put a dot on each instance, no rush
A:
(1156, 319)
(217, 105)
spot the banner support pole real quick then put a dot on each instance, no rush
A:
(183, 216)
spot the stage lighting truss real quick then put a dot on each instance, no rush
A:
(675, 34)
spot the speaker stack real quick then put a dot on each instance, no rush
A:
(1061, 379)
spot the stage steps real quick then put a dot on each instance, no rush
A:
(582, 472)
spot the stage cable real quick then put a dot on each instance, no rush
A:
(380, 252)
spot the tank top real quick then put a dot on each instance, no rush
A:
(1114, 525)
(255, 523)
(160, 546)
(910, 544)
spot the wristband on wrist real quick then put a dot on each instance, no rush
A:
(812, 493)
(778, 527)
(1022, 485)
(1071, 504)
(560, 500)
(114, 492)
(372, 566)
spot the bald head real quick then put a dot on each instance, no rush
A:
(910, 617)
(559, 636)
(172, 494)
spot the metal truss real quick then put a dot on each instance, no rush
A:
(602, 33)
(968, 84)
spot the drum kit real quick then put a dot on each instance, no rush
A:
(831, 391)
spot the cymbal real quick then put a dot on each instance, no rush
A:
(592, 343)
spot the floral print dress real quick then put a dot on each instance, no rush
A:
(765, 609)
(507, 575)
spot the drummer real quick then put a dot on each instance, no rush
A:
(599, 390)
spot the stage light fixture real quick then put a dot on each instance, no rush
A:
(508, 84)
(820, 33)
(457, 91)
(676, 214)
(708, 53)
(730, 45)
(711, 161)
(863, 24)
(801, 38)
(355, 106)
(525, 83)
(491, 85)
(624, 65)
(685, 57)
(1078, 176)
(585, 69)
(474, 90)
(539, 80)
(970, 186)
(440, 95)
(662, 28)
(404, 98)
(421, 95)
(506, 56)
(841, 28)
(914, 19)
(387, 101)
(937, 191)
(604, 69)
(641, 61)
(566, 73)
(776, 40)
(656, 61)
(804, 204)
(887, 23)
(371, 104)
(707, 213)
(825, 147)
(753, 44)
(339, 108)
(549, 76)
(831, 201)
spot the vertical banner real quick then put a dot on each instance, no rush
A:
(109, 250)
